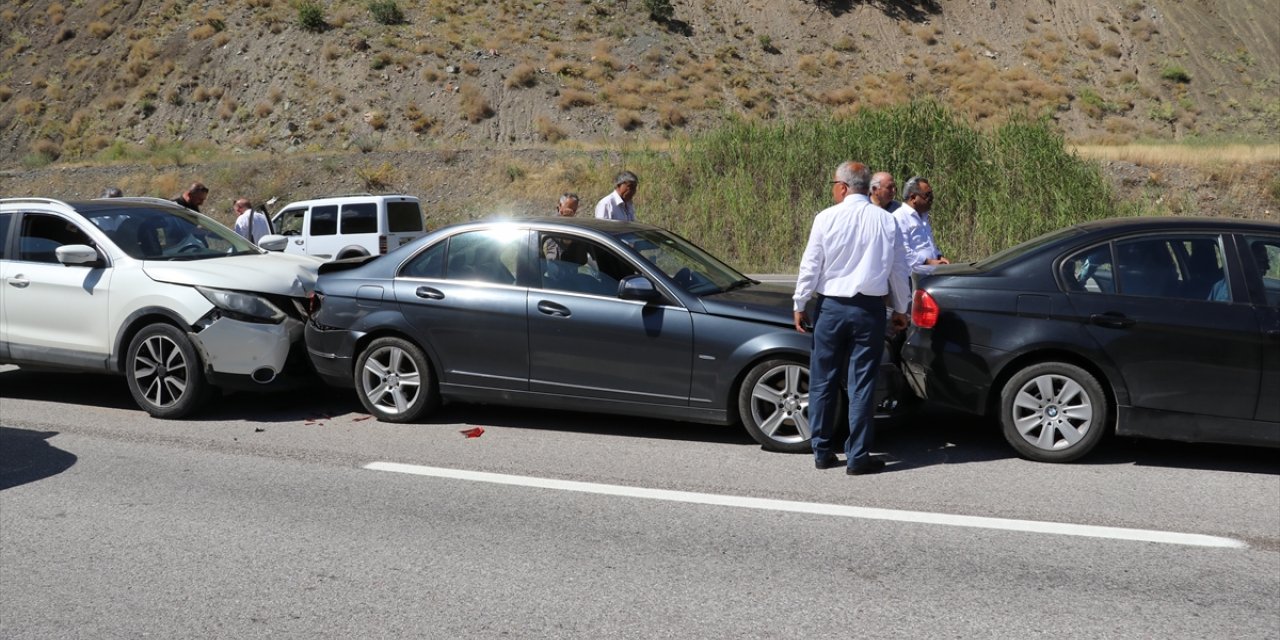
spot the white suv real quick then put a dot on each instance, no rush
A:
(350, 226)
(174, 301)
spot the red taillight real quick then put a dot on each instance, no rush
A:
(924, 311)
(382, 245)
(313, 303)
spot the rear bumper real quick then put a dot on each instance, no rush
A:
(947, 375)
(332, 353)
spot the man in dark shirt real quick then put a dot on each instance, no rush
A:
(194, 197)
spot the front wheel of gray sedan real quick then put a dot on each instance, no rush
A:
(1053, 412)
(773, 403)
(393, 380)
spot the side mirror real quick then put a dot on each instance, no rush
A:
(78, 255)
(638, 288)
(273, 242)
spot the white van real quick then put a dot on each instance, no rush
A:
(348, 226)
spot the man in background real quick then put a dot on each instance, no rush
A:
(250, 224)
(917, 230)
(617, 205)
(883, 189)
(568, 207)
(193, 197)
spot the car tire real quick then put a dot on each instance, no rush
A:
(773, 404)
(164, 372)
(1053, 412)
(393, 379)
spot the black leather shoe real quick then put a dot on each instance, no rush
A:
(829, 462)
(872, 465)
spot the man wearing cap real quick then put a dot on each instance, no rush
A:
(617, 205)
(194, 197)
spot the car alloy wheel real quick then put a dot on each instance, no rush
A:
(393, 379)
(1053, 412)
(773, 403)
(164, 372)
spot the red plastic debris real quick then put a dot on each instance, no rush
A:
(473, 433)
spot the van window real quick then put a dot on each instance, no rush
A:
(360, 217)
(289, 222)
(324, 220)
(403, 216)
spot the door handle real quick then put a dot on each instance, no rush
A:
(429, 293)
(298, 242)
(19, 281)
(1111, 320)
(553, 309)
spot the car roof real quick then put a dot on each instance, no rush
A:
(610, 227)
(99, 204)
(351, 197)
(1170, 223)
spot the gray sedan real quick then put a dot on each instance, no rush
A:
(564, 313)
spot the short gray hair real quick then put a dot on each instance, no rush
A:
(912, 187)
(112, 192)
(854, 174)
(625, 176)
(569, 195)
(878, 179)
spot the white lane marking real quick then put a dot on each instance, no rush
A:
(921, 517)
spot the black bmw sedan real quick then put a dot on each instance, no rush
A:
(565, 313)
(1159, 328)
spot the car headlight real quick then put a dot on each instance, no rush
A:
(243, 306)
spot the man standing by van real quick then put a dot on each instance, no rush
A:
(250, 224)
(193, 197)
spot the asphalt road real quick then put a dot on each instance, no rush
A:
(262, 518)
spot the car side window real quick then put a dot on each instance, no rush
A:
(359, 217)
(6, 221)
(43, 234)
(486, 256)
(1183, 267)
(1264, 255)
(324, 220)
(428, 264)
(291, 222)
(569, 263)
(1090, 270)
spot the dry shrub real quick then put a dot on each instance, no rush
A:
(227, 108)
(377, 178)
(431, 74)
(57, 13)
(100, 29)
(375, 119)
(475, 107)
(571, 98)
(567, 68)
(113, 103)
(262, 109)
(471, 68)
(221, 39)
(5, 93)
(809, 65)
(47, 148)
(926, 35)
(629, 120)
(841, 96)
(1111, 49)
(548, 130)
(96, 143)
(1089, 38)
(201, 94)
(203, 32)
(629, 101)
(64, 34)
(259, 4)
(330, 52)
(669, 117)
(523, 75)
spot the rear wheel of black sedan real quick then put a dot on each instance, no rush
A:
(393, 380)
(773, 403)
(1053, 412)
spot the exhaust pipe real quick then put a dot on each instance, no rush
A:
(263, 375)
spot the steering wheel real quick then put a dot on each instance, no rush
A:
(190, 248)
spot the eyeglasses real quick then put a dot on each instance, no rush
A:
(840, 182)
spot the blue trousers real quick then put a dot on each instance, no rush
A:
(848, 341)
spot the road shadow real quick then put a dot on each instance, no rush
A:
(26, 456)
(933, 435)
(85, 389)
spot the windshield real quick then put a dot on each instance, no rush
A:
(688, 266)
(153, 233)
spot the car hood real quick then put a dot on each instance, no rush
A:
(276, 273)
(761, 303)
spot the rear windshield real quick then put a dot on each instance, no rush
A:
(998, 259)
(403, 216)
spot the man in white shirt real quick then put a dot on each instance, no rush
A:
(883, 189)
(917, 231)
(250, 224)
(855, 262)
(617, 205)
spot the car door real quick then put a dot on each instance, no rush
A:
(54, 313)
(1260, 254)
(462, 298)
(291, 223)
(1146, 302)
(585, 341)
(322, 236)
